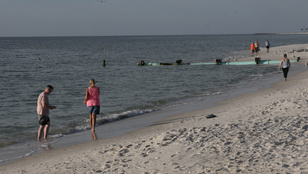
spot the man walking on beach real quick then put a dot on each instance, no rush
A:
(43, 112)
(267, 45)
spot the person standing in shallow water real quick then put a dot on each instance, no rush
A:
(43, 112)
(285, 65)
(93, 102)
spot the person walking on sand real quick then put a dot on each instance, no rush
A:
(93, 102)
(257, 48)
(252, 48)
(285, 65)
(267, 45)
(43, 112)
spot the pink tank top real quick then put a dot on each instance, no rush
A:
(93, 98)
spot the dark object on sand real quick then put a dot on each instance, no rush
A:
(210, 116)
(257, 60)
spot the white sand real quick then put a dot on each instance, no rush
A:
(260, 132)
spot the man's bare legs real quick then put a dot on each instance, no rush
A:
(46, 130)
(40, 131)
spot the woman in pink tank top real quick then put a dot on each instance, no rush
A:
(92, 101)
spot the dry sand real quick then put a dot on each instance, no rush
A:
(260, 132)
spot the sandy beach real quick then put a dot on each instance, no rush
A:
(260, 132)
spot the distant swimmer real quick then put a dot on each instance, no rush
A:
(285, 65)
(252, 48)
(267, 45)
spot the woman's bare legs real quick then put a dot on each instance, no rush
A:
(93, 121)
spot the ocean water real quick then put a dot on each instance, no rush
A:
(28, 64)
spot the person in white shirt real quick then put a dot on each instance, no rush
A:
(267, 45)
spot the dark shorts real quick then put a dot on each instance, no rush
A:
(267, 46)
(252, 51)
(43, 119)
(285, 72)
(94, 109)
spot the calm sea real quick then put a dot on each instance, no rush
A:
(27, 65)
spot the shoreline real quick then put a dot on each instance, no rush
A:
(188, 122)
(152, 139)
(279, 33)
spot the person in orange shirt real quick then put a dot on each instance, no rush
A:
(252, 48)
